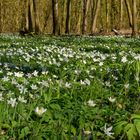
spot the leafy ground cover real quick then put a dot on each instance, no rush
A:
(74, 88)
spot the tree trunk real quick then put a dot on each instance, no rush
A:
(95, 16)
(79, 19)
(27, 15)
(53, 16)
(129, 12)
(0, 16)
(56, 30)
(107, 15)
(67, 25)
(121, 13)
(32, 17)
(36, 18)
(92, 6)
(47, 15)
(85, 12)
(134, 18)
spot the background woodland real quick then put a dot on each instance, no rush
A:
(70, 16)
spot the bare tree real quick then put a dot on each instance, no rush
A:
(47, 14)
(24, 16)
(55, 17)
(31, 18)
(134, 18)
(107, 15)
(36, 17)
(0, 16)
(92, 6)
(121, 14)
(97, 8)
(79, 19)
(67, 24)
(85, 12)
(129, 12)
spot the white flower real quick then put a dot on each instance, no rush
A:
(12, 102)
(44, 83)
(124, 59)
(29, 75)
(5, 79)
(21, 88)
(21, 99)
(44, 72)
(77, 72)
(101, 64)
(34, 87)
(86, 132)
(9, 73)
(40, 111)
(27, 59)
(91, 103)
(19, 74)
(112, 99)
(67, 85)
(107, 131)
(121, 53)
(1, 98)
(126, 86)
(84, 62)
(137, 57)
(35, 73)
(82, 82)
(87, 81)
(107, 83)
(137, 78)
(14, 82)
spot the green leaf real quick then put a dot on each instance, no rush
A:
(14, 124)
(73, 130)
(6, 126)
(135, 116)
(131, 132)
(81, 123)
(119, 127)
(55, 107)
(137, 124)
(24, 132)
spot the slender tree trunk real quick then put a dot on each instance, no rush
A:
(129, 12)
(92, 5)
(0, 16)
(32, 13)
(47, 15)
(121, 13)
(134, 18)
(112, 14)
(24, 15)
(67, 17)
(55, 17)
(85, 12)
(30, 16)
(36, 18)
(79, 20)
(27, 15)
(95, 16)
(64, 15)
(102, 16)
(107, 15)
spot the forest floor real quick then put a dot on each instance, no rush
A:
(69, 87)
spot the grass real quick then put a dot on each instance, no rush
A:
(69, 88)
